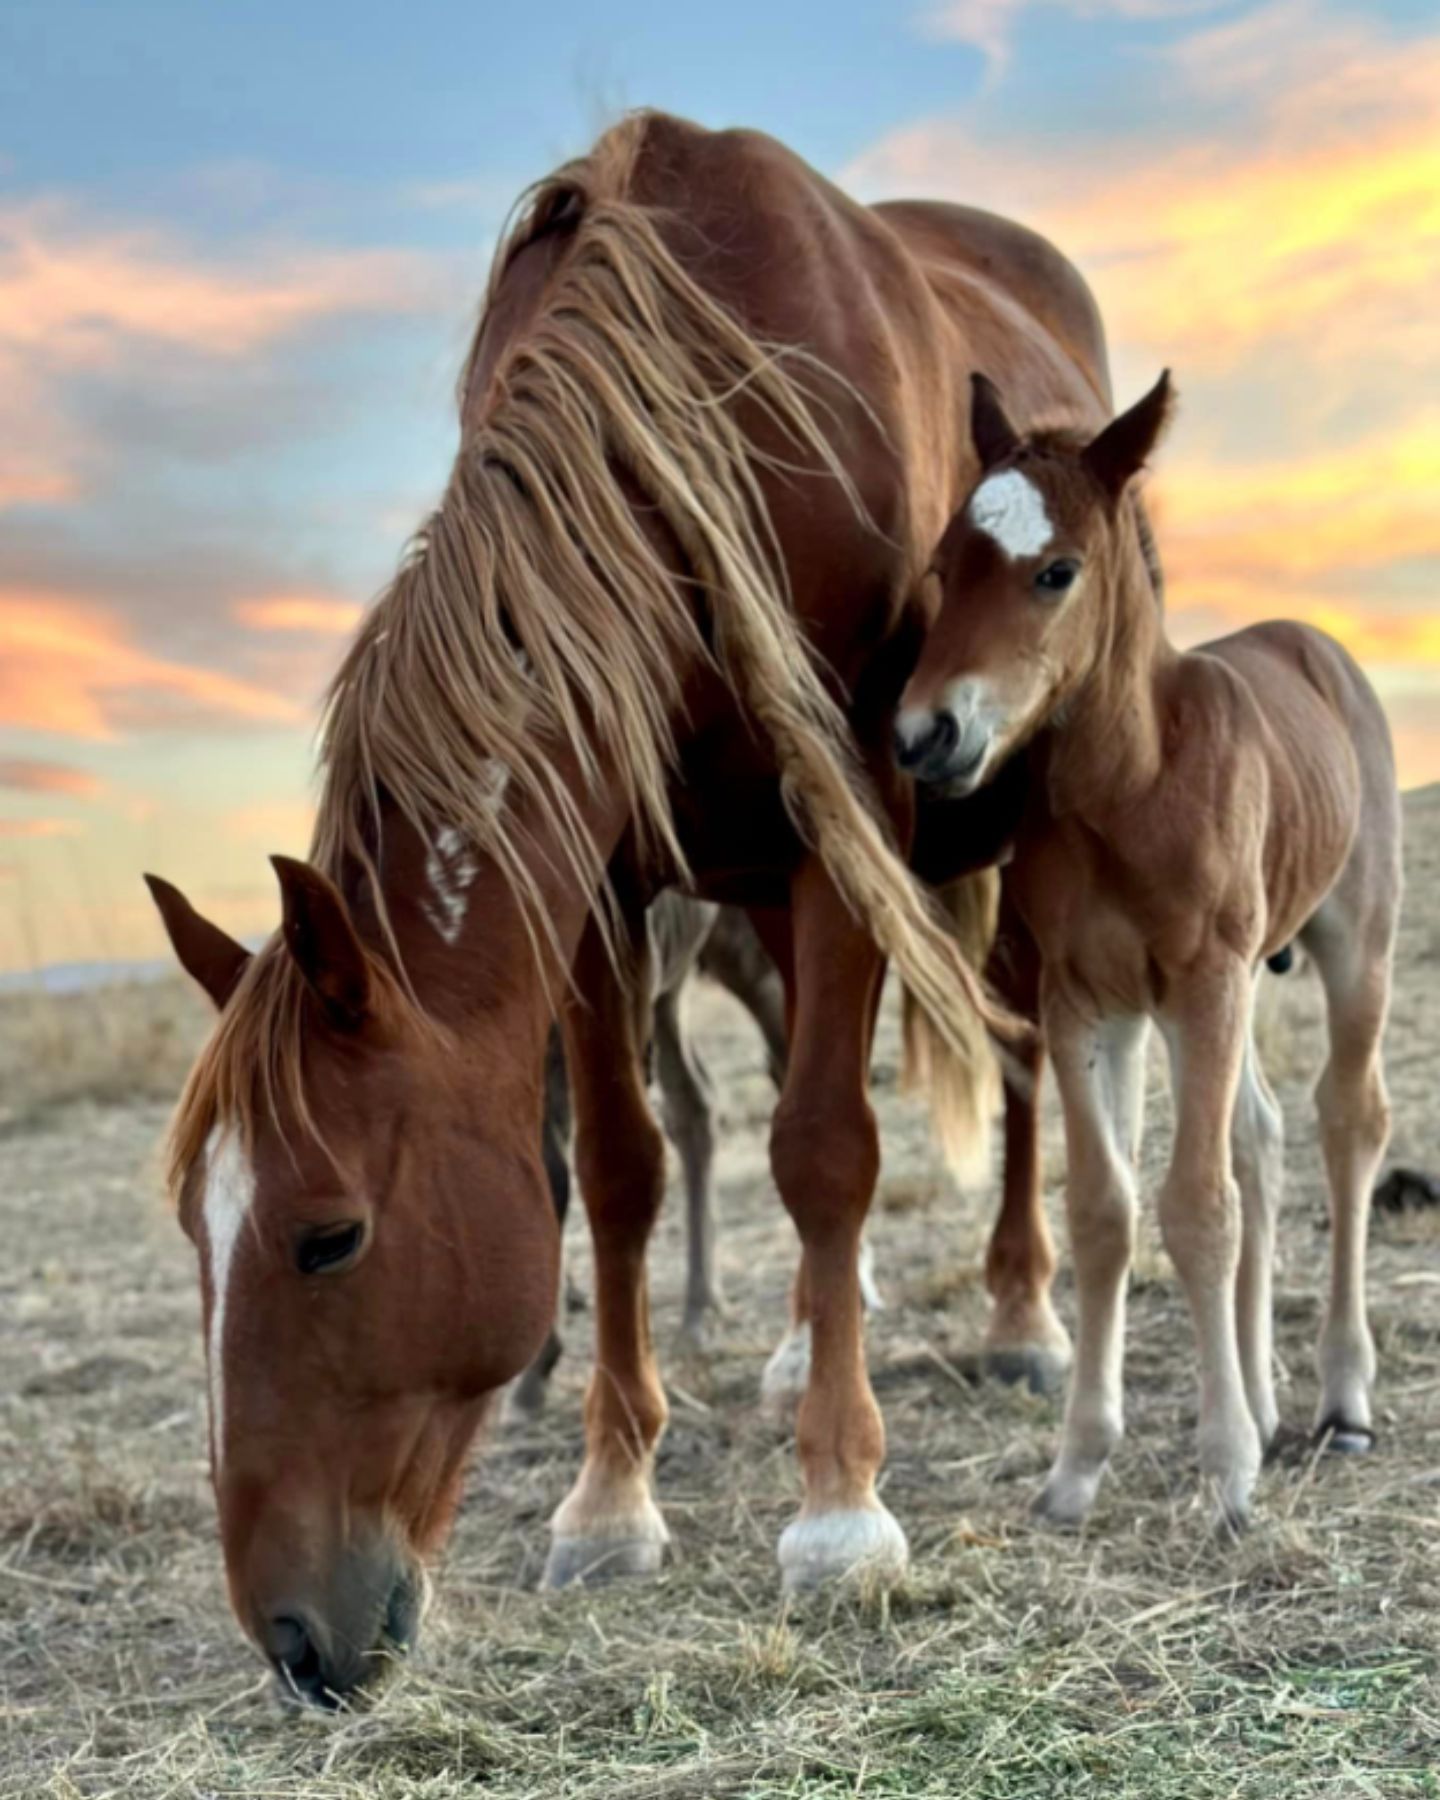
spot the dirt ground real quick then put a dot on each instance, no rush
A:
(1141, 1657)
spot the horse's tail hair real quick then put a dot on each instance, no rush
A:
(962, 1091)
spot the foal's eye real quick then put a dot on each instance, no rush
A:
(1056, 577)
(329, 1249)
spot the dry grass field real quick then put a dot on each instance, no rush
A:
(1139, 1658)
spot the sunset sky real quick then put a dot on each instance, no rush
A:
(240, 249)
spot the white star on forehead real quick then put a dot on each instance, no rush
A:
(1011, 509)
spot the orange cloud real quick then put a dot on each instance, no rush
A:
(73, 291)
(1359, 506)
(320, 613)
(276, 824)
(69, 667)
(26, 776)
(1314, 224)
(1375, 636)
(39, 828)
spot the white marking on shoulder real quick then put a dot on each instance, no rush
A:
(1011, 509)
(787, 1374)
(229, 1195)
(450, 868)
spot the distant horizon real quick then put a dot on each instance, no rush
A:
(238, 273)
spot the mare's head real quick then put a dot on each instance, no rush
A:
(377, 1255)
(1033, 574)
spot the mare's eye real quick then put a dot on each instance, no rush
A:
(329, 1248)
(1057, 576)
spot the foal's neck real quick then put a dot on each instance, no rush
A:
(1106, 740)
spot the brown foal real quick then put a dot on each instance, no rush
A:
(1198, 811)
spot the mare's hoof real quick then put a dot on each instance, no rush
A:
(1335, 1435)
(861, 1543)
(1026, 1365)
(590, 1562)
(1065, 1501)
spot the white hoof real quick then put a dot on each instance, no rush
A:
(1067, 1495)
(823, 1547)
(598, 1547)
(787, 1374)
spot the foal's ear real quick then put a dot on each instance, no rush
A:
(991, 432)
(323, 942)
(1124, 446)
(206, 953)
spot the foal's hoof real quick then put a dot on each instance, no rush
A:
(1335, 1435)
(862, 1542)
(1026, 1365)
(590, 1562)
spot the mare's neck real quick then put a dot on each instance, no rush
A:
(481, 959)
(1106, 742)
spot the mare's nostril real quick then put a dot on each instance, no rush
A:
(296, 1657)
(945, 736)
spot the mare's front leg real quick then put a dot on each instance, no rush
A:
(1025, 1340)
(1206, 1022)
(609, 1523)
(825, 1152)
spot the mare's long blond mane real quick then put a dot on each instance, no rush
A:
(532, 609)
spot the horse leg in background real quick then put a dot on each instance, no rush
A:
(825, 1153)
(1257, 1148)
(1352, 941)
(735, 956)
(526, 1398)
(1024, 1340)
(609, 1523)
(1098, 1066)
(687, 1097)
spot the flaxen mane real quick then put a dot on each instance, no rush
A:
(531, 608)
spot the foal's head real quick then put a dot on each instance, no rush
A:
(1034, 575)
(377, 1255)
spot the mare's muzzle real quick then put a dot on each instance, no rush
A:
(338, 1650)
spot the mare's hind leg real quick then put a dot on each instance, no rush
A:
(1024, 1340)
(687, 1098)
(825, 1151)
(1257, 1147)
(1353, 956)
(609, 1524)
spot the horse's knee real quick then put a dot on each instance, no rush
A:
(822, 1160)
(1200, 1225)
(622, 1173)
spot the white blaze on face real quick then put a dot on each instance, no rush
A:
(1011, 509)
(450, 868)
(229, 1195)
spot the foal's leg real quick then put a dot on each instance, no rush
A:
(687, 1098)
(1206, 1022)
(1025, 1340)
(1257, 1143)
(825, 1152)
(1354, 964)
(1099, 1067)
(608, 1524)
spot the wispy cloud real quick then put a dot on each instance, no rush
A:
(69, 667)
(989, 25)
(323, 614)
(39, 828)
(26, 775)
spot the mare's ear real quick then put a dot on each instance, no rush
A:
(206, 953)
(991, 432)
(1124, 446)
(323, 942)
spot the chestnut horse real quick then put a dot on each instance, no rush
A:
(1198, 812)
(655, 631)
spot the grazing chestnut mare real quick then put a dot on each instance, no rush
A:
(654, 632)
(1198, 812)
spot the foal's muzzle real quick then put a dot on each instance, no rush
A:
(933, 748)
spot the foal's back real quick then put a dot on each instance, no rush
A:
(1333, 805)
